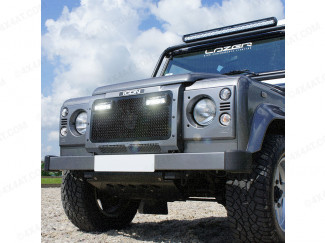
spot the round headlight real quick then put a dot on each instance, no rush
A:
(225, 119)
(64, 112)
(225, 94)
(64, 131)
(204, 112)
(81, 123)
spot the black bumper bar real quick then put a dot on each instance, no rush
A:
(234, 161)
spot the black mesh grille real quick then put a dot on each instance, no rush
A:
(145, 148)
(130, 119)
(132, 148)
(113, 149)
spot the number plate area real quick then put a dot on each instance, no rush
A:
(125, 163)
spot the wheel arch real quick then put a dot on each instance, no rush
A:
(267, 119)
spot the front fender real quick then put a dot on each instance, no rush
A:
(263, 116)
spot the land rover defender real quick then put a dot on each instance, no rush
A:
(208, 125)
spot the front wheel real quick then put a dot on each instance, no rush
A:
(256, 202)
(92, 210)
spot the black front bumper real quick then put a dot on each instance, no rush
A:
(233, 161)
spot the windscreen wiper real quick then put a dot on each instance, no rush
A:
(244, 71)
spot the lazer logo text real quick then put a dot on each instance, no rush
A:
(229, 48)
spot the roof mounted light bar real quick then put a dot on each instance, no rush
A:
(252, 25)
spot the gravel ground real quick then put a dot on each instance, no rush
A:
(186, 222)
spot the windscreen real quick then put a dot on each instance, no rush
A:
(254, 56)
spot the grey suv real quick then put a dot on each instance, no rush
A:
(209, 124)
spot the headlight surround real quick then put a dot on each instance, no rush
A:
(81, 122)
(204, 111)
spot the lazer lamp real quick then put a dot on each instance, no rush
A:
(252, 25)
(158, 100)
(103, 106)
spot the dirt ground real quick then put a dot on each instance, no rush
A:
(186, 222)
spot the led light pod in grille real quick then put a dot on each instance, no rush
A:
(103, 106)
(158, 100)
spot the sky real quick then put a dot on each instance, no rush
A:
(90, 43)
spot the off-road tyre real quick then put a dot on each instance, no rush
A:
(250, 197)
(80, 203)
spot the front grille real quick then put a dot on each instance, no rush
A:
(130, 119)
(112, 149)
(145, 148)
(132, 148)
